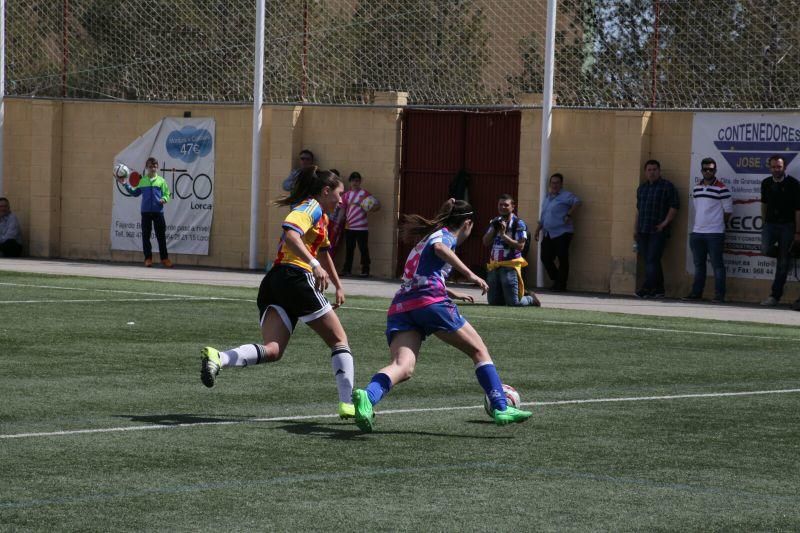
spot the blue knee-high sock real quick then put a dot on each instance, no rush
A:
(378, 387)
(490, 381)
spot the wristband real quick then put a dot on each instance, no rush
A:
(314, 262)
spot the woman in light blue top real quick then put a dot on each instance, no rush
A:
(555, 223)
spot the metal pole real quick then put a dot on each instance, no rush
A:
(2, 86)
(547, 123)
(255, 164)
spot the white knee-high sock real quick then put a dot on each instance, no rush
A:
(342, 362)
(245, 355)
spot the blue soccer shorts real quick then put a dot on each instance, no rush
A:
(441, 316)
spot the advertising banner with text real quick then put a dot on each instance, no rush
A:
(184, 148)
(741, 144)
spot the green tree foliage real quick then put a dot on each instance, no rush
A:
(435, 51)
(667, 54)
(136, 49)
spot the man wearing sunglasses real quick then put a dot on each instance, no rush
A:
(713, 205)
(306, 161)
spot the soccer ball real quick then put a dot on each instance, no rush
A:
(121, 171)
(512, 398)
(370, 203)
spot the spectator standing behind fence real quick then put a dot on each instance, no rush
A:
(507, 235)
(657, 204)
(555, 223)
(335, 222)
(780, 211)
(357, 204)
(713, 206)
(10, 231)
(307, 161)
(155, 193)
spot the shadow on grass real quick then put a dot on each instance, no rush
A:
(341, 431)
(177, 419)
(348, 430)
(336, 430)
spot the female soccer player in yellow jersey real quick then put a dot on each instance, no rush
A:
(292, 289)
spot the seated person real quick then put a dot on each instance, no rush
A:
(10, 232)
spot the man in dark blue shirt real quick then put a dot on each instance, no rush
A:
(656, 204)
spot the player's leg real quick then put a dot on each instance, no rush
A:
(495, 294)
(468, 341)
(276, 330)
(562, 251)
(147, 231)
(161, 235)
(330, 330)
(404, 349)
(548, 256)
(510, 286)
(363, 249)
(349, 252)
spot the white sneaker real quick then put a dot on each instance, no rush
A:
(770, 302)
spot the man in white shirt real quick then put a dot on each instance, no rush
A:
(10, 232)
(713, 206)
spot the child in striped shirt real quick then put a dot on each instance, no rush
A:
(356, 229)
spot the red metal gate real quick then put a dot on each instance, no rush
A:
(436, 146)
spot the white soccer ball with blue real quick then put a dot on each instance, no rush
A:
(512, 399)
(121, 171)
(370, 203)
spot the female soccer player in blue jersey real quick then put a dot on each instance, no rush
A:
(292, 289)
(424, 305)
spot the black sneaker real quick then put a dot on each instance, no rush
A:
(534, 300)
(692, 297)
(643, 294)
(658, 295)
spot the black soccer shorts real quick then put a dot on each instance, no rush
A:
(291, 292)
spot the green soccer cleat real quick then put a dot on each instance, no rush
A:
(510, 415)
(365, 417)
(209, 366)
(347, 410)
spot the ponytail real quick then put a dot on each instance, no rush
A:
(451, 215)
(309, 182)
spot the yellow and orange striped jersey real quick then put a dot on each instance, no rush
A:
(307, 219)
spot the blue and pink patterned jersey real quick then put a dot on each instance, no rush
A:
(424, 275)
(516, 229)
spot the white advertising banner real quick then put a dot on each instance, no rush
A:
(741, 144)
(184, 148)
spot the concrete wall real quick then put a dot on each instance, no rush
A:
(363, 139)
(58, 175)
(58, 155)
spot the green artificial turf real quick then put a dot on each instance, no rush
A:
(104, 425)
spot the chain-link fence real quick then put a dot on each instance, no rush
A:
(668, 54)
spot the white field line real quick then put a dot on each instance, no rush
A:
(610, 326)
(170, 299)
(161, 295)
(391, 412)
(371, 309)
